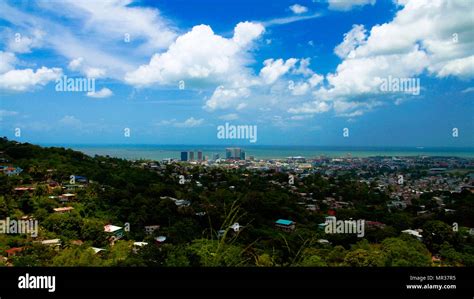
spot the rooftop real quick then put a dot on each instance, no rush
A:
(51, 242)
(284, 222)
(109, 228)
(63, 209)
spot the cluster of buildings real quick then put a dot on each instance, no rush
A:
(234, 153)
(10, 170)
(231, 153)
(403, 179)
(189, 156)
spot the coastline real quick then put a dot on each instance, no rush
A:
(160, 152)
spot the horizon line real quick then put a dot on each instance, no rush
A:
(419, 147)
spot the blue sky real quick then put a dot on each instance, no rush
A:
(301, 71)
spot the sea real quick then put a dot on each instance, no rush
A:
(161, 152)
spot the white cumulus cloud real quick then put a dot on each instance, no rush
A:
(224, 98)
(26, 79)
(7, 61)
(434, 38)
(298, 9)
(202, 55)
(76, 64)
(274, 69)
(103, 93)
(352, 39)
(312, 107)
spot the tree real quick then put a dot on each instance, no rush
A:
(407, 252)
(152, 255)
(435, 233)
(36, 255)
(211, 254)
(117, 254)
(77, 256)
(3, 207)
(177, 257)
(312, 261)
(336, 256)
(264, 260)
(450, 255)
(6, 185)
(66, 225)
(93, 230)
(365, 258)
(183, 231)
(40, 190)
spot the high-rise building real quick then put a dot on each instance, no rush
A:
(242, 155)
(236, 153)
(215, 156)
(199, 156)
(184, 156)
(233, 153)
(191, 156)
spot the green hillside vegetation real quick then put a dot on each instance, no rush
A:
(125, 194)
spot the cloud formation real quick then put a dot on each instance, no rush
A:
(200, 55)
(27, 79)
(298, 9)
(434, 38)
(103, 93)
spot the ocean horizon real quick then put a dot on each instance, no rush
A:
(160, 152)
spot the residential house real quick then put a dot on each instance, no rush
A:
(63, 210)
(114, 232)
(66, 197)
(285, 225)
(416, 233)
(11, 171)
(13, 251)
(52, 242)
(97, 250)
(178, 202)
(149, 229)
(138, 245)
(160, 239)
